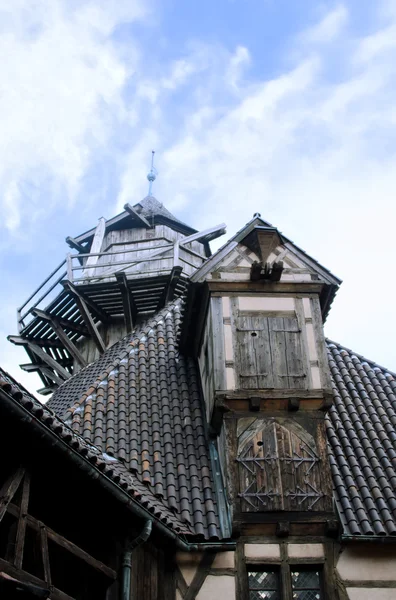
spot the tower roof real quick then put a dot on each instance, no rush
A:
(150, 208)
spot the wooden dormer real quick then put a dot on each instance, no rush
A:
(255, 316)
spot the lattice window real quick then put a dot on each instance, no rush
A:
(306, 585)
(264, 585)
(297, 582)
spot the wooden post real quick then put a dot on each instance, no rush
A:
(45, 554)
(69, 269)
(176, 252)
(95, 248)
(8, 490)
(21, 531)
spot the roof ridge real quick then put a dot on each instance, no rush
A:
(361, 357)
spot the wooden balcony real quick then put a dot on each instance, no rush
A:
(88, 291)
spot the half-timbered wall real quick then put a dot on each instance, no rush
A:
(338, 572)
(270, 342)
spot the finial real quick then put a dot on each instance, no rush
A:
(256, 215)
(153, 173)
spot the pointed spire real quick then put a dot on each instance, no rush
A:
(152, 174)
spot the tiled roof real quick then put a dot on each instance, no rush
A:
(104, 463)
(361, 430)
(142, 404)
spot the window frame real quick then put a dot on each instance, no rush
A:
(284, 570)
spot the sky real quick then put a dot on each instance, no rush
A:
(282, 107)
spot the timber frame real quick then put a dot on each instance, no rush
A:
(12, 565)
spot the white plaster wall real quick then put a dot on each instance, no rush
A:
(217, 587)
(371, 593)
(368, 562)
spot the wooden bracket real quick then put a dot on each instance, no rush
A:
(332, 528)
(86, 315)
(254, 403)
(282, 529)
(142, 220)
(130, 310)
(293, 404)
(168, 293)
(64, 338)
(44, 356)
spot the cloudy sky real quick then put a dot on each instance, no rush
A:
(283, 107)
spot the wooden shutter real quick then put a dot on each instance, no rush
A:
(254, 350)
(281, 470)
(269, 353)
(286, 351)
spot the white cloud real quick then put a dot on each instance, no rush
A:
(316, 157)
(60, 72)
(328, 28)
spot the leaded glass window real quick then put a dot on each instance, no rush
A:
(306, 584)
(264, 585)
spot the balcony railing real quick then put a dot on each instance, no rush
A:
(89, 268)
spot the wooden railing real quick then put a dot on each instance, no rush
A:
(53, 281)
(92, 267)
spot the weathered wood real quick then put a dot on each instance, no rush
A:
(141, 220)
(21, 531)
(67, 324)
(45, 554)
(242, 578)
(8, 490)
(89, 322)
(69, 265)
(218, 344)
(27, 578)
(180, 582)
(51, 362)
(73, 243)
(22, 341)
(205, 235)
(169, 290)
(64, 543)
(74, 351)
(129, 306)
(95, 248)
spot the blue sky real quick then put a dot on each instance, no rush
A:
(281, 107)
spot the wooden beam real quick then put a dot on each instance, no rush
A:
(200, 575)
(67, 544)
(98, 312)
(46, 390)
(39, 352)
(206, 235)
(21, 531)
(45, 554)
(28, 579)
(130, 310)
(95, 248)
(10, 585)
(62, 322)
(86, 315)
(136, 215)
(43, 342)
(168, 293)
(75, 245)
(8, 490)
(71, 347)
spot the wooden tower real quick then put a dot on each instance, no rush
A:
(119, 273)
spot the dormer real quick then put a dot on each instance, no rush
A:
(254, 320)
